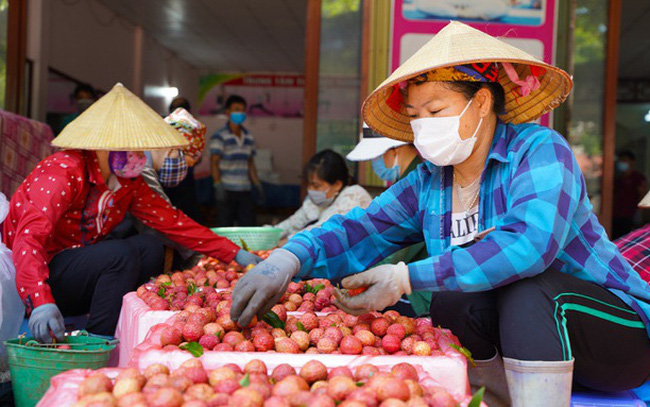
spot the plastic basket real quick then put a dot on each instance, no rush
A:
(255, 237)
(598, 399)
(32, 365)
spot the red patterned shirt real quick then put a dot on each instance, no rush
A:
(635, 247)
(65, 203)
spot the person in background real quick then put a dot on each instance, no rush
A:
(629, 187)
(233, 169)
(180, 101)
(12, 311)
(183, 194)
(167, 170)
(393, 160)
(83, 96)
(635, 246)
(60, 216)
(328, 194)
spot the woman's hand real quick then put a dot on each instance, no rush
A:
(385, 286)
(245, 258)
(263, 286)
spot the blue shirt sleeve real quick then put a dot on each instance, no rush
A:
(543, 195)
(354, 242)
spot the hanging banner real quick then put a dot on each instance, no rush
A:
(525, 24)
(268, 95)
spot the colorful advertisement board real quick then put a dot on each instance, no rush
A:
(268, 95)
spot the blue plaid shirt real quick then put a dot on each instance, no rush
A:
(533, 194)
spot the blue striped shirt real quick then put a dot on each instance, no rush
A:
(235, 153)
(533, 194)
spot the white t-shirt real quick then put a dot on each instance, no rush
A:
(464, 218)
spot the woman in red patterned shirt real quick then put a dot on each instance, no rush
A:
(60, 216)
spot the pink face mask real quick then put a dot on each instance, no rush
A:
(127, 164)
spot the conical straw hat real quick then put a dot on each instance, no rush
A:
(459, 44)
(119, 121)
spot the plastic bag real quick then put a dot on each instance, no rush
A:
(13, 310)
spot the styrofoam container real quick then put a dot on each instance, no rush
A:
(136, 320)
(64, 387)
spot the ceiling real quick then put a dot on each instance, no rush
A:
(224, 35)
(634, 56)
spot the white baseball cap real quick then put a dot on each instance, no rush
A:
(372, 145)
(645, 202)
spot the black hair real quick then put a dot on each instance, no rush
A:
(232, 99)
(179, 102)
(469, 89)
(328, 166)
(626, 154)
(84, 87)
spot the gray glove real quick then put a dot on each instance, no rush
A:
(45, 318)
(263, 286)
(245, 258)
(385, 286)
(219, 192)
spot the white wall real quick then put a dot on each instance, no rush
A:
(88, 42)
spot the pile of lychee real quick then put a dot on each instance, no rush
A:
(312, 385)
(313, 295)
(337, 333)
(183, 288)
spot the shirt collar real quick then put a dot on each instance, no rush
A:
(500, 141)
(94, 173)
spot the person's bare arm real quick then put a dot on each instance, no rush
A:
(216, 174)
(252, 171)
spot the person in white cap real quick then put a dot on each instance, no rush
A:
(393, 160)
(539, 283)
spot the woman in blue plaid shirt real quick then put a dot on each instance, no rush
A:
(520, 268)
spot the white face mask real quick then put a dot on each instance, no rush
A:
(438, 139)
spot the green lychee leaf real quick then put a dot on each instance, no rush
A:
(465, 352)
(273, 319)
(300, 326)
(166, 284)
(161, 292)
(194, 348)
(191, 288)
(244, 246)
(477, 398)
(313, 290)
(245, 381)
(360, 384)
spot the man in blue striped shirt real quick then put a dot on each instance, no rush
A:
(233, 169)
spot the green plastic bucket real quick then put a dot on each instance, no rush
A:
(255, 237)
(32, 365)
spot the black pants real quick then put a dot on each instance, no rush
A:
(552, 317)
(237, 210)
(93, 279)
